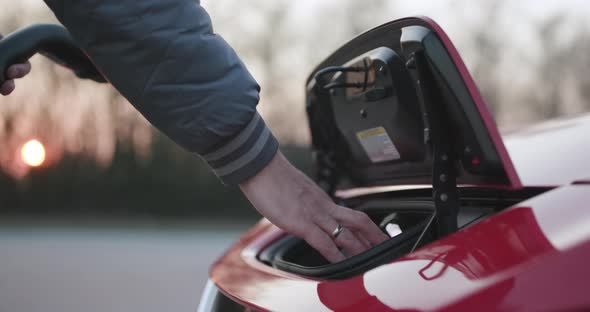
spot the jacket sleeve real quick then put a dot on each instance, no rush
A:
(163, 56)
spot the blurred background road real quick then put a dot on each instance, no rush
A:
(100, 212)
(107, 268)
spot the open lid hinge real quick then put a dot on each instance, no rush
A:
(437, 136)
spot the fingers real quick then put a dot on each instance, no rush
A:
(323, 243)
(346, 239)
(361, 223)
(7, 87)
(18, 70)
(14, 72)
(363, 240)
(350, 242)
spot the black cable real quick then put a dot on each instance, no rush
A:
(340, 85)
(426, 228)
(320, 75)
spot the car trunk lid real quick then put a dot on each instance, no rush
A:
(397, 106)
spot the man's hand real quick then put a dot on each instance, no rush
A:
(293, 202)
(14, 72)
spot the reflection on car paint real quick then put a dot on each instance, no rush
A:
(464, 264)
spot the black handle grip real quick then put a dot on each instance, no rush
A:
(50, 40)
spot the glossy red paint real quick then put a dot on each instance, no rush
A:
(530, 257)
(559, 283)
(493, 262)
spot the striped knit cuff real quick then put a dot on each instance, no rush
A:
(245, 155)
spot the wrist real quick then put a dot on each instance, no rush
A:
(271, 176)
(281, 184)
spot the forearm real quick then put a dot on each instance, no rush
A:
(165, 59)
(163, 56)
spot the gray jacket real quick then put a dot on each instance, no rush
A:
(163, 56)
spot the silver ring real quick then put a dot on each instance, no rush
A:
(337, 231)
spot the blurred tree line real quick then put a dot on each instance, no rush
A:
(172, 184)
(104, 160)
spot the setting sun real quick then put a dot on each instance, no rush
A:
(33, 153)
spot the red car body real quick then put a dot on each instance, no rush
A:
(531, 256)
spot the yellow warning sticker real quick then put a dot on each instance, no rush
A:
(378, 145)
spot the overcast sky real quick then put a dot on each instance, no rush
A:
(516, 30)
